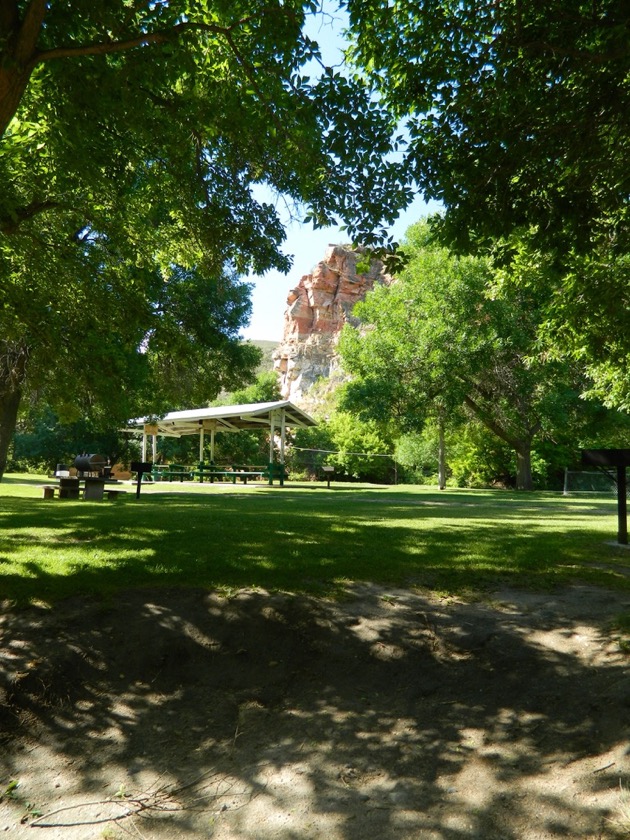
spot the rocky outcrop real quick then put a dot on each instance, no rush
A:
(317, 309)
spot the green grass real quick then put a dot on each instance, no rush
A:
(302, 538)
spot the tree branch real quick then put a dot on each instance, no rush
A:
(491, 424)
(161, 36)
(29, 31)
(108, 47)
(22, 214)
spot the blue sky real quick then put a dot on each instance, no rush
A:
(308, 246)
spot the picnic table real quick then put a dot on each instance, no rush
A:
(233, 473)
(215, 472)
(94, 488)
(168, 472)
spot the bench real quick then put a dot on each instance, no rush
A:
(181, 474)
(49, 491)
(243, 475)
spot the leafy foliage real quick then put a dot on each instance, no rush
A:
(132, 140)
(363, 451)
(518, 113)
(452, 333)
(518, 117)
(358, 450)
(41, 442)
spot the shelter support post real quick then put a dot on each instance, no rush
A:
(283, 431)
(272, 434)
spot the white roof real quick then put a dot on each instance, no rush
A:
(227, 418)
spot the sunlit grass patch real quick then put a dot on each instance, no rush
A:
(303, 538)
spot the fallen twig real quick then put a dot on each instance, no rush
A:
(605, 767)
(133, 807)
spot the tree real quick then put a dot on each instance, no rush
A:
(132, 139)
(441, 337)
(518, 117)
(41, 441)
(359, 450)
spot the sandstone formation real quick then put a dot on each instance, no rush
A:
(317, 309)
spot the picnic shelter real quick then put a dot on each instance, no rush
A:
(277, 417)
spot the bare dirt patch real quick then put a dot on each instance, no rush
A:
(390, 714)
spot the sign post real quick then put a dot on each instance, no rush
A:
(328, 470)
(620, 459)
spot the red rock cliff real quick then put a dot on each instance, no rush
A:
(317, 309)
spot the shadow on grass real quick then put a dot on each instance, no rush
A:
(299, 542)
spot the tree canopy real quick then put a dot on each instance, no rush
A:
(442, 338)
(133, 137)
(518, 117)
(519, 114)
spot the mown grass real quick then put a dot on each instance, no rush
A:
(302, 538)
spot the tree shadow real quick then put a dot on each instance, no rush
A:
(51, 550)
(389, 714)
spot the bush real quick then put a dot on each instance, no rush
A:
(42, 441)
(358, 450)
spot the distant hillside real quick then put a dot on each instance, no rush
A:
(267, 348)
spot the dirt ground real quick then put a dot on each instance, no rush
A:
(388, 714)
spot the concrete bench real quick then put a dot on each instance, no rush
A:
(50, 490)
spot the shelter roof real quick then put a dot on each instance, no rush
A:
(227, 418)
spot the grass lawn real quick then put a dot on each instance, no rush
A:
(302, 538)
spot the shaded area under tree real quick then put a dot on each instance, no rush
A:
(389, 714)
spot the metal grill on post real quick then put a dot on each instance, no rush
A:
(620, 459)
(140, 467)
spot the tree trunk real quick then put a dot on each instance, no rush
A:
(524, 467)
(13, 359)
(441, 457)
(9, 405)
(522, 447)
(18, 51)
